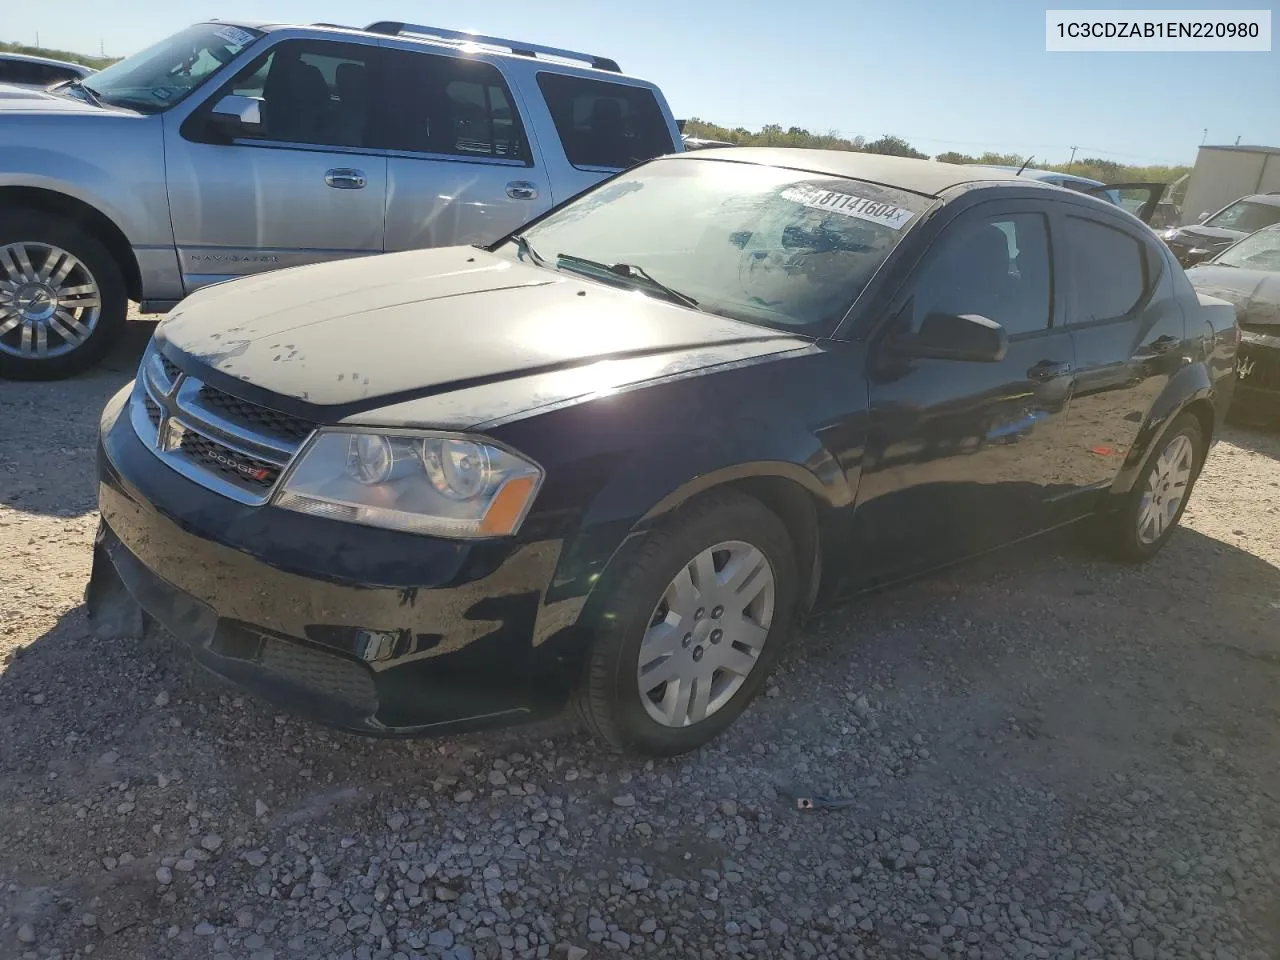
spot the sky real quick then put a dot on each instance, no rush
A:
(942, 75)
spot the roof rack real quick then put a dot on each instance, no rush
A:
(394, 28)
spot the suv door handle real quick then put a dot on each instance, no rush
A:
(1048, 370)
(522, 190)
(345, 178)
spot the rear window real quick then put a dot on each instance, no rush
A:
(604, 124)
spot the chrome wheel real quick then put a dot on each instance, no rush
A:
(1167, 486)
(706, 634)
(49, 301)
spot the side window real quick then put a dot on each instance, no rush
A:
(312, 91)
(604, 124)
(21, 71)
(997, 267)
(1110, 270)
(451, 105)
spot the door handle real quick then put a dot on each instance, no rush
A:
(345, 178)
(1048, 370)
(1164, 344)
(522, 190)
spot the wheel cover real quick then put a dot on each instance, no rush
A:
(706, 634)
(49, 301)
(1167, 486)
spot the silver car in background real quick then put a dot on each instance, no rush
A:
(229, 149)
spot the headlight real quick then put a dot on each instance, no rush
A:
(449, 486)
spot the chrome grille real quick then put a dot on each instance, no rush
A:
(225, 443)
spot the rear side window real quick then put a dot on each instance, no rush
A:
(21, 71)
(1109, 268)
(604, 124)
(997, 267)
(451, 105)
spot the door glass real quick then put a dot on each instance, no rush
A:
(996, 267)
(452, 106)
(312, 92)
(1109, 269)
(605, 124)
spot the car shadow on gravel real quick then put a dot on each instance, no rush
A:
(48, 432)
(1257, 436)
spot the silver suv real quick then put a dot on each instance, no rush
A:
(230, 149)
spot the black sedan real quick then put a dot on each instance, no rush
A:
(1247, 274)
(615, 457)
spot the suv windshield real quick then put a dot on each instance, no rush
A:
(781, 248)
(1246, 215)
(1258, 251)
(165, 73)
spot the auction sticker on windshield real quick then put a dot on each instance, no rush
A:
(848, 205)
(234, 35)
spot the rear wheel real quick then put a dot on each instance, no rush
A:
(692, 630)
(1154, 506)
(62, 298)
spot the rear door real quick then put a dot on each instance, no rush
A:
(1130, 338)
(305, 184)
(461, 168)
(1140, 199)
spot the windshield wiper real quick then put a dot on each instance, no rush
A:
(525, 247)
(91, 93)
(629, 271)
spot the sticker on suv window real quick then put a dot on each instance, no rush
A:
(234, 35)
(846, 204)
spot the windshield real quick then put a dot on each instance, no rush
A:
(1258, 251)
(782, 248)
(1246, 215)
(164, 74)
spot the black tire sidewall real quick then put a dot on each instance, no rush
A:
(60, 232)
(1128, 543)
(619, 636)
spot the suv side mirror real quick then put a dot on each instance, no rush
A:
(968, 336)
(234, 113)
(1204, 215)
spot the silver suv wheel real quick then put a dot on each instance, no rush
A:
(49, 301)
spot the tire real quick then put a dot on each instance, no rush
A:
(1131, 533)
(28, 240)
(610, 699)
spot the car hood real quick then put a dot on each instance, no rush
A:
(33, 100)
(1255, 293)
(362, 334)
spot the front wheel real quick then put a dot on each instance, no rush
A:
(62, 298)
(689, 634)
(1154, 506)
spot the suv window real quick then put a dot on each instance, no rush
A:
(1110, 271)
(453, 106)
(312, 91)
(23, 71)
(997, 267)
(605, 124)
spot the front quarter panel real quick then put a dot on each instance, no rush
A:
(615, 465)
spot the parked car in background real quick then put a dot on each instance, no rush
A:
(227, 150)
(1247, 274)
(1215, 232)
(24, 70)
(614, 455)
(1140, 199)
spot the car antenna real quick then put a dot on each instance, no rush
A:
(1025, 162)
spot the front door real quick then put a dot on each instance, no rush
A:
(461, 169)
(1140, 199)
(961, 456)
(301, 185)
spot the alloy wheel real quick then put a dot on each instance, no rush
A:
(1167, 486)
(49, 301)
(706, 634)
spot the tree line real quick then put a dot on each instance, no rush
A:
(773, 135)
(65, 55)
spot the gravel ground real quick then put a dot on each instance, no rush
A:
(1043, 755)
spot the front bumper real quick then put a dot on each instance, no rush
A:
(1258, 373)
(370, 630)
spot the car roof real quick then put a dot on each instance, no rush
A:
(1271, 199)
(928, 177)
(47, 61)
(1037, 174)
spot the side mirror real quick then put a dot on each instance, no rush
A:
(968, 336)
(1204, 215)
(234, 113)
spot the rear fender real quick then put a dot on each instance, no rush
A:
(1190, 388)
